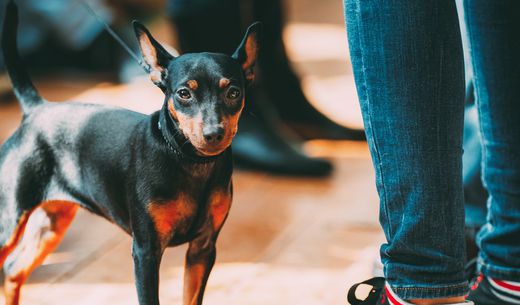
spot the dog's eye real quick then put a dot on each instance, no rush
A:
(184, 94)
(233, 93)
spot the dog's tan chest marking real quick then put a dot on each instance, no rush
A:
(219, 205)
(166, 215)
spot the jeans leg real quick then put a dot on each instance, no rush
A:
(408, 65)
(494, 31)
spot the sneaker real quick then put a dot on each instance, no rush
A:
(381, 294)
(487, 291)
(377, 294)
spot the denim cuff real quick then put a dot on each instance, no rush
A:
(430, 292)
(498, 272)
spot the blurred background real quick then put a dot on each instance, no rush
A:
(304, 222)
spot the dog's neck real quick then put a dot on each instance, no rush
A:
(177, 143)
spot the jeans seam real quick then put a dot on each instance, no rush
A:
(431, 292)
(367, 100)
(463, 285)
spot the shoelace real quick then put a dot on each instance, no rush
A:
(383, 296)
(477, 282)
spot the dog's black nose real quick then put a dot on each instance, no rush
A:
(213, 135)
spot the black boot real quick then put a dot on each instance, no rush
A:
(261, 142)
(264, 144)
(283, 86)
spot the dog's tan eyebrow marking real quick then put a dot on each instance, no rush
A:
(192, 84)
(224, 82)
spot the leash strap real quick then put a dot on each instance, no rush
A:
(116, 37)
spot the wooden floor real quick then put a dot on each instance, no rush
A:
(287, 240)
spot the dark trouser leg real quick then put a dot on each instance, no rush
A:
(282, 85)
(207, 25)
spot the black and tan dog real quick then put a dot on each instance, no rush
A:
(165, 179)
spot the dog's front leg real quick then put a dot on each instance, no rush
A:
(200, 259)
(147, 258)
(201, 254)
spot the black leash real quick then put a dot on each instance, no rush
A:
(115, 36)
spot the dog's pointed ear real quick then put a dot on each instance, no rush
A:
(155, 57)
(247, 52)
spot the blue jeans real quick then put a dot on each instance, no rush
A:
(408, 65)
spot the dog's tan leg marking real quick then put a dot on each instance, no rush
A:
(201, 254)
(44, 231)
(194, 278)
(15, 237)
(199, 262)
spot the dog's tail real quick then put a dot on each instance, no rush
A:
(22, 84)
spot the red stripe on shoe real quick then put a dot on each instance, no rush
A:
(507, 285)
(390, 297)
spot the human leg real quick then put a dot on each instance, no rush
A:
(408, 65)
(494, 28)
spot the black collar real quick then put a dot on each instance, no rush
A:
(185, 152)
